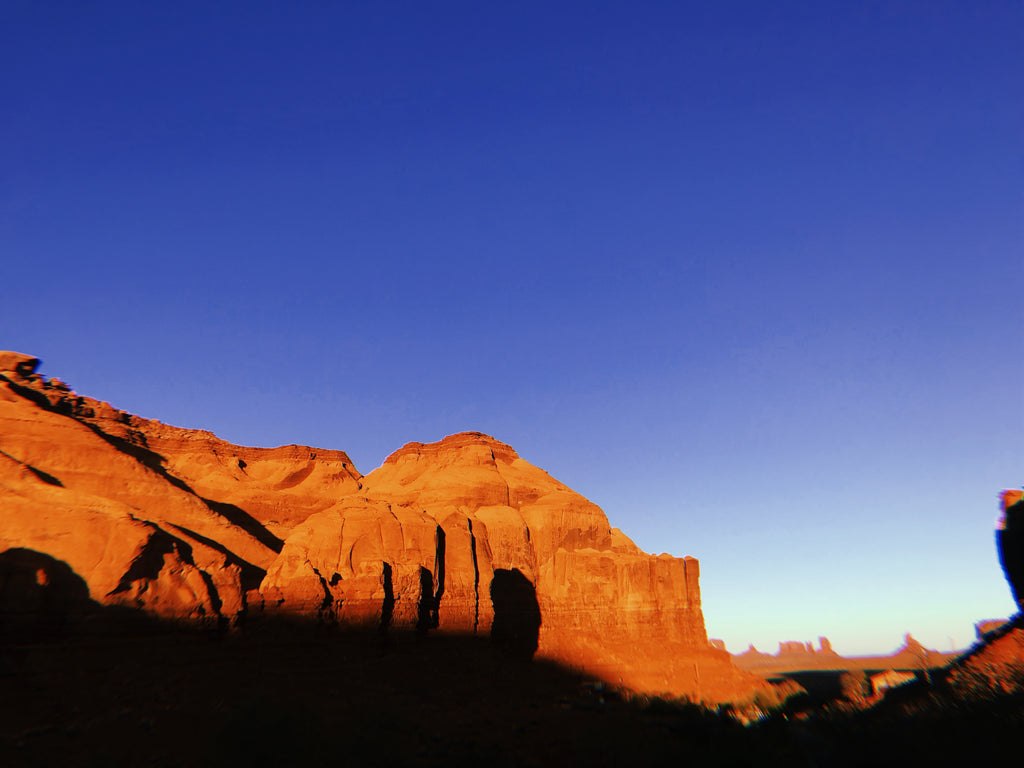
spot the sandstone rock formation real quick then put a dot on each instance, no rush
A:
(445, 534)
(461, 535)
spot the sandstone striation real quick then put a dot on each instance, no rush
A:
(461, 535)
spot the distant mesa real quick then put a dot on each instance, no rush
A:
(457, 536)
(796, 648)
(794, 656)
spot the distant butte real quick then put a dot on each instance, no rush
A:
(796, 656)
(461, 535)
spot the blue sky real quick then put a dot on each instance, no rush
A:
(747, 275)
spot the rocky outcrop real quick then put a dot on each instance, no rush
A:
(1010, 542)
(997, 659)
(995, 662)
(467, 536)
(107, 507)
(462, 535)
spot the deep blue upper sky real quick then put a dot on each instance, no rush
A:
(745, 274)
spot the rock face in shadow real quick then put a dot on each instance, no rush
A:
(40, 596)
(1010, 542)
(459, 536)
(517, 620)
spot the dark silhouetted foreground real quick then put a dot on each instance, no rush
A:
(83, 684)
(292, 695)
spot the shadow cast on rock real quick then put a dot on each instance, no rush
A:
(41, 598)
(516, 625)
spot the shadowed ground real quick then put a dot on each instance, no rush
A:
(293, 695)
(88, 685)
(273, 701)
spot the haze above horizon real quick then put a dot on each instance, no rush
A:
(745, 275)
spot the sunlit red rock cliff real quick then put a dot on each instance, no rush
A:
(462, 536)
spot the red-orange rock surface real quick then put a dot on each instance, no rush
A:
(106, 508)
(461, 535)
(444, 534)
(998, 657)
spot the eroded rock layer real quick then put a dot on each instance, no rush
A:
(461, 535)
